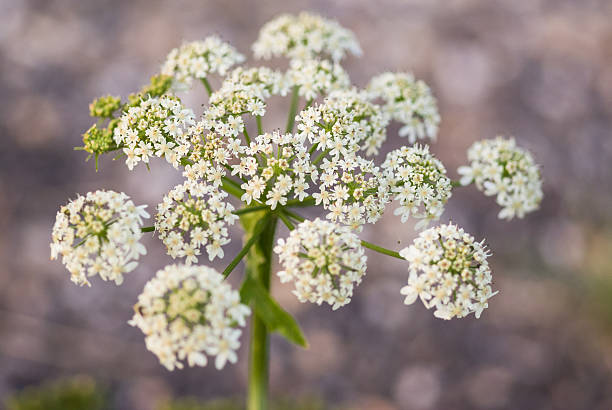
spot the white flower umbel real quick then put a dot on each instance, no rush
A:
(244, 91)
(305, 36)
(344, 123)
(500, 168)
(352, 190)
(189, 313)
(409, 102)
(192, 216)
(448, 271)
(99, 234)
(324, 260)
(316, 77)
(276, 168)
(154, 127)
(418, 181)
(199, 59)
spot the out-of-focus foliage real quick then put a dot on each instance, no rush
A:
(79, 393)
(305, 403)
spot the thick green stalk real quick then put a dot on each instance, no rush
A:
(258, 266)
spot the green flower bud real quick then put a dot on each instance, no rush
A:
(98, 141)
(158, 85)
(104, 107)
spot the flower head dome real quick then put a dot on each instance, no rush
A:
(448, 271)
(191, 216)
(344, 123)
(154, 127)
(276, 168)
(189, 312)
(409, 102)
(418, 181)
(303, 37)
(99, 234)
(315, 77)
(199, 59)
(324, 259)
(500, 168)
(352, 190)
(244, 91)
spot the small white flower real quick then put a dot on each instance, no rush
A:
(99, 234)
(448, 271)
(500, 168)
(154, 126)
(303, 37)
(325, 260)
(199, 59)
(409, 102)
(315, 77)
(418, 181)
(188, 312)
(193, 215)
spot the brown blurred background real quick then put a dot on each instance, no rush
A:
(537, 69)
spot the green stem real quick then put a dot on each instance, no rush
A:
(283, 216)
(308, 201)
(254, 237)
(207, 86)
(258, 266)
(250, 209)
(365, 244)
(295, 98)
(259, 126)
(246, 136)
(147, 229)
(380, 249)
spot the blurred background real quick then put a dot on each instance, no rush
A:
(536, 69)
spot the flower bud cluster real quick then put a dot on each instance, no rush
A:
(409, 102)
(324, 260)
(499, 167)
(99, 234)
(189, 313)
(303, 37)
(193, 215)
(199, 59)
(448, 271)
(418, 181)
(155, 127)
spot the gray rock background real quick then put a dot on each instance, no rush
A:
(537, 69)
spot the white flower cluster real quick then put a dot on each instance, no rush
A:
(499, 167)
(315, 77)
(188, 312)
(276, 168)
(193, 215)
(243, 91)
(418, 181)
(198, 59)
(344, 123)
(448, 271)
(210, 155)
(352, 190)
(409, 102)
(303, 37)
(99, 234)
(155, 127)
(324, 259)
